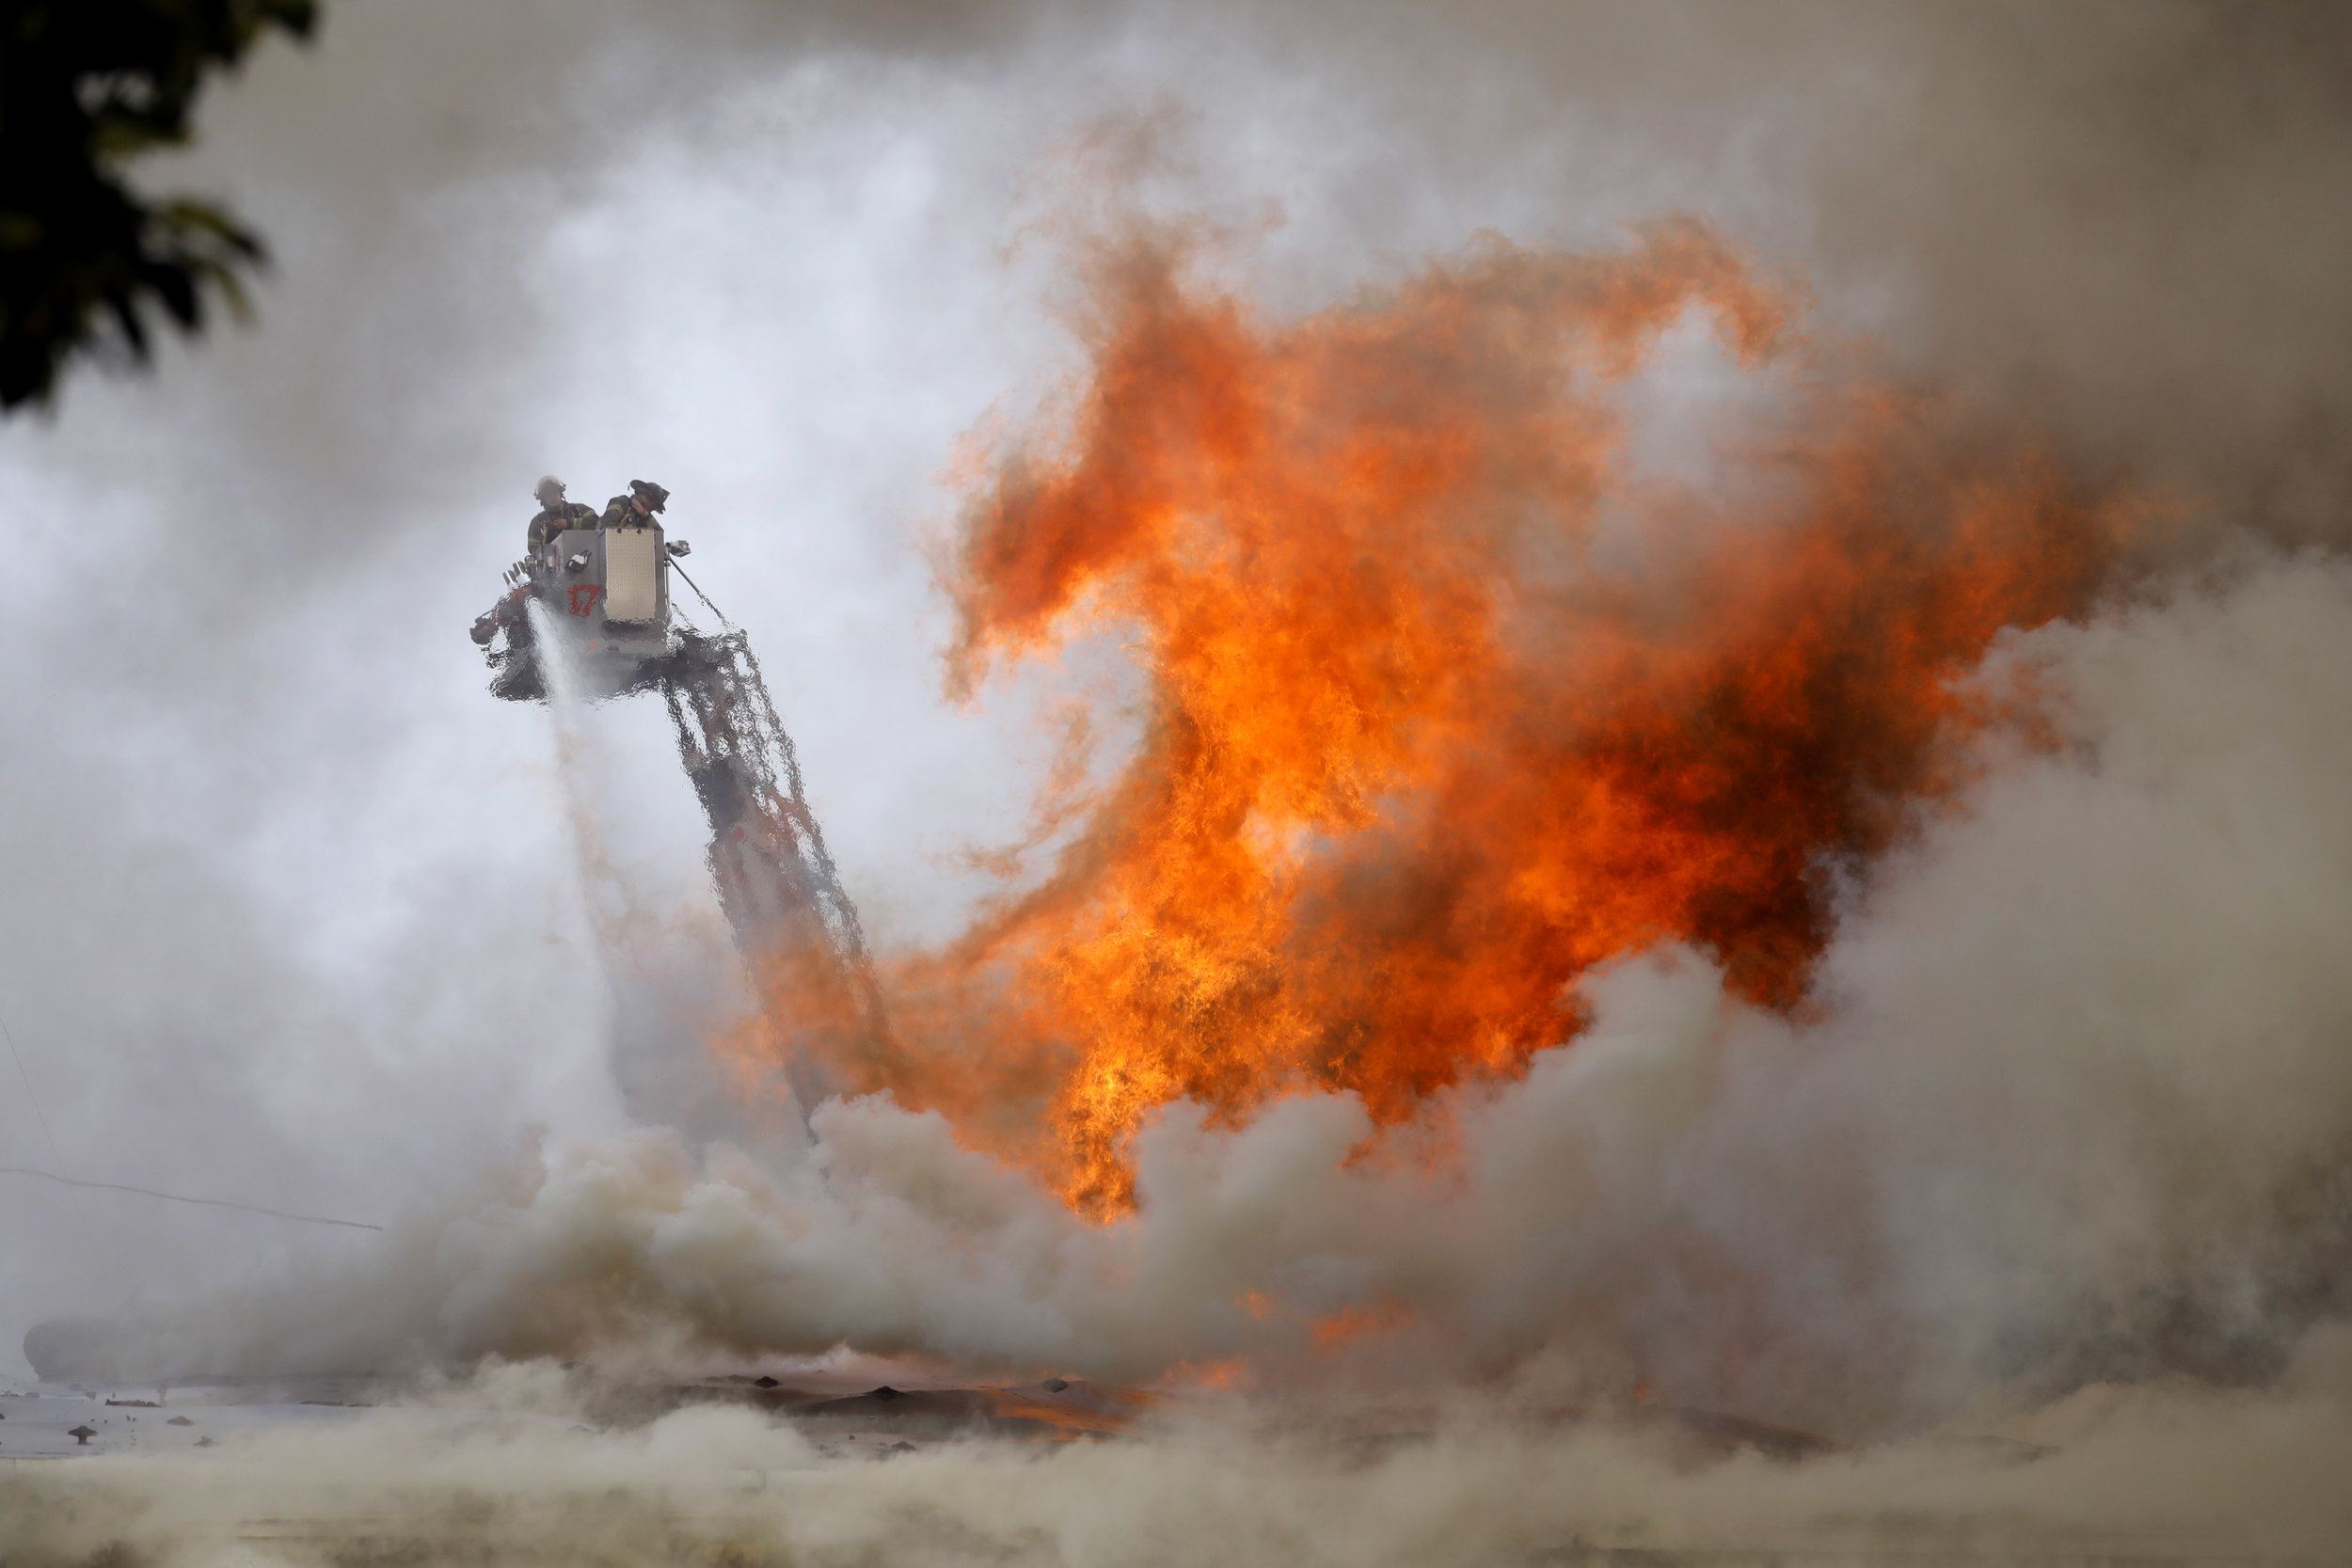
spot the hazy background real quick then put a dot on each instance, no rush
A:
(293, 913)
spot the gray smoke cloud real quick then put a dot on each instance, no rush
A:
(299, 916)
(2127, 222)
(2077, 1112)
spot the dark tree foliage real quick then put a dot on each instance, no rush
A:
(85, 260)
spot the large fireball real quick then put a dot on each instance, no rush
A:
(1447, 702)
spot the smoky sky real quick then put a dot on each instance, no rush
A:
(294, 913)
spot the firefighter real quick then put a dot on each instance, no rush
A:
(556, 515)
(636, 509)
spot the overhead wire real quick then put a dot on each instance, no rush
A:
(32, 1097)
(181, 1198)
(58, 1157)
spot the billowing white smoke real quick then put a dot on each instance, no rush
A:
(2078, 1104)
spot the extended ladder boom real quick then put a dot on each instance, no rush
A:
(791, 918)
(598, 600)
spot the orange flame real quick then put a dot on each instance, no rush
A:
(1444, 707)
(1351, 1323)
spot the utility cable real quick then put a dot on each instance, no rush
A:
(31, 1098)
(176, 1198)
(43, 1116)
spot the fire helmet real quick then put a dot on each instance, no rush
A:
(550, 491)
(650, 493)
